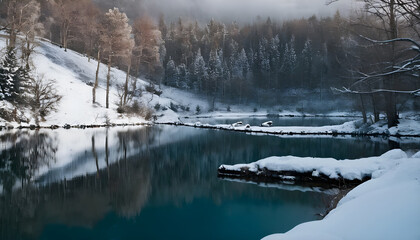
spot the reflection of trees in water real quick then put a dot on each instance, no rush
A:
(28, 152)
(123, 187)
(130, 190)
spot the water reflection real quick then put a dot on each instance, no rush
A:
(23, 154)
(153, 183)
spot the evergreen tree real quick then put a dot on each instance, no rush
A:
(199, 71)
(243, 64)
(183, 76)
(289, 63)
(172, 74)
(10, 76)
(305, 63)
(226, 79)
(264, 61)
(215, 71)
(275, 59)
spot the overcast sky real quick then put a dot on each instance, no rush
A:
(245, 10)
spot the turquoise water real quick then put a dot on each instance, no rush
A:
(156, 183)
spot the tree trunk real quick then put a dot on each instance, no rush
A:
(363, 109)
(95, 85)
(12, 36)
(375, 110)
(108, 79)
(390, 98)
(126, 83)
(62, 34)
(391, 109)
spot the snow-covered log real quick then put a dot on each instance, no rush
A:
(313, 171)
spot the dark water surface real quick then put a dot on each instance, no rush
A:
(153, 183)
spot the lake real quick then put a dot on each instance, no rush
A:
(156, 182)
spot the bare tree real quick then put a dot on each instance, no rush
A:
(89, 27)
(45, 98)
(399, 56)
(67, 13)
(147, 38)
(128, 62)
(31, 28)
(115, 40)
(20, 15)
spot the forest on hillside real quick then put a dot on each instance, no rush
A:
(371, 56)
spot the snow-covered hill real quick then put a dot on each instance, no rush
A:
(74, 76)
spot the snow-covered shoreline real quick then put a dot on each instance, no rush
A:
(406, 128)
(386, 207)
(314, 171)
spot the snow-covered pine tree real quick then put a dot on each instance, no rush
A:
(226, 79)
(183, 76)
(293, 56)
(305, 63)
(199, 71)
(243, 64)
(215, 70)
(172, 74)
(289, 63)
(275, 59)
(10, 76)
(264, 61)
(250, 55)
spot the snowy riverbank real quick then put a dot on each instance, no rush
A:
(386, 207)
(406, 128)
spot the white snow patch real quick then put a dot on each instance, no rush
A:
(348, 169)
(387, 207)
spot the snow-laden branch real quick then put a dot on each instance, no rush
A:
(416, 46)
(347, 90)
(410, 66)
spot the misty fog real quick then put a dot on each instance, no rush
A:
(229, 10)
(244, 10)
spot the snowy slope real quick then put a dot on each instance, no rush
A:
(387, 207)
(73, 72)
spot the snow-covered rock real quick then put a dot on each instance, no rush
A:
(267, 124)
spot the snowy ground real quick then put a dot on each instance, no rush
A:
(407, 127)
(386, 207)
